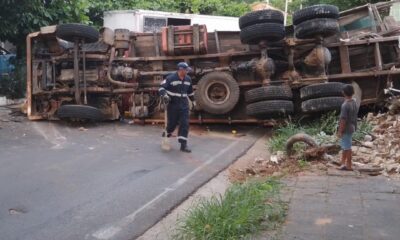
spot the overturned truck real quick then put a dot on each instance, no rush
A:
(263, 71)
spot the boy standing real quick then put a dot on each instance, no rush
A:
(347, 126)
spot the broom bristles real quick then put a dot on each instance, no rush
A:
(165, 144)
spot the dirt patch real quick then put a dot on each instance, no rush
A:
(258, 162)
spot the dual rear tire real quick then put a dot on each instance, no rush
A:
(269, 101)
(318, 20)
(321, 97)
(262, 25)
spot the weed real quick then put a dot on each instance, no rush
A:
(303, 163)
(322, 128)
(245, 209)
(278, 141)
(364, 128)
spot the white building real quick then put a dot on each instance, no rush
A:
(149, 21)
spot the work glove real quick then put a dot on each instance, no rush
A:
(166, 99)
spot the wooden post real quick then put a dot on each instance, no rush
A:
(344, 59)
(378, 57)
(217, 41)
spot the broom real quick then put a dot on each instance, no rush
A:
(165, 146)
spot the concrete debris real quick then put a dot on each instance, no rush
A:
(380, 150)
(368, 138)
(394, 108)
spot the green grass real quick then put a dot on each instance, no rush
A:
(244, 210)
(281, 135)
(364, 128)
(303, 163)
(323, 130)
(319, 128)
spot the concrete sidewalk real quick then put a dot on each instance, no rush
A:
(334, 207)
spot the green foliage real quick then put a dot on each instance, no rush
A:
(281, 135)
(303, 163)
(245, 209)
(14, 85)
(18, 18)
(328, 124)
(364, 128)
(343, 5)
(322, 129)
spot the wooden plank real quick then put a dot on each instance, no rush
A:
(371, 15)
(156, 46)
(217, 41)
(359, 42)
(344, 59)
(214, 55)
(196, 38)
(362, 74)
(378, 57)
(171, 40)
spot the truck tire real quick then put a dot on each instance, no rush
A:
(269, 93)
(71, 31)
(80, 112)
(299, 137)
(281, 66)
(316, 11)
(324, 27)
(325, 104)
(329, 89)
(357, 93)
(262, 31)
(217, 93)
(271, 108)
(261, 16)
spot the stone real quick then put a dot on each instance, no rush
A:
(368, 144)
(392, 168)
(364, 150)
(274, 159)
(368, 138)
(259, 160)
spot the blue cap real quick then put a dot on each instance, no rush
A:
(183, 65)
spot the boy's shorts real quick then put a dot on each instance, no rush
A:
(345, 142)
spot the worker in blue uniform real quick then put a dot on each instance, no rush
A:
(175, 90)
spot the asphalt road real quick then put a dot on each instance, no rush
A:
(111, 181)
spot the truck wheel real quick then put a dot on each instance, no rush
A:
(324, 27)
(357, 93)
(262, 31)
(271, 108)
(281, 66)
(71, 31)
(261, 16)
(322, 104)
(316, 11)
(329, 89)
(80, 112)
(268, 93)
(299, 137)
(217, 93)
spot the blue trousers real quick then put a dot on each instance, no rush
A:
(178, 116)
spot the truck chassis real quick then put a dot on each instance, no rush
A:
(119, 75)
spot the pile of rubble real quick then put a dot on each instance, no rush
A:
(380, 148)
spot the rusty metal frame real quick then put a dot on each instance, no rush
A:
(119, 87)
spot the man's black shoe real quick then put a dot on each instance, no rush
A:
(184, 148)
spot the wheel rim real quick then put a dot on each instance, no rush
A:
(217, 92)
